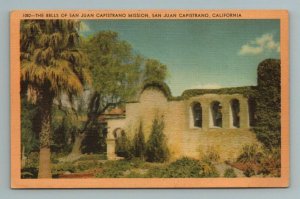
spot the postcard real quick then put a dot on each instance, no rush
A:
(149, 98)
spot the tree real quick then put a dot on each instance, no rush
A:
(155, 71)
(123, 146)
(157, 150)
(268, 103)
(51, 64)
(139, 145)
(116, 76)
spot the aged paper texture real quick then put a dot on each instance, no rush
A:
(149, 98)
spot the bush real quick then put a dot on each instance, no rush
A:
(93, 157)
(123, 146)
(271, 163)
(29, 172)
(87, 165)
(229, 173)
(32, 160)
(63, 167)
(209, 170)
(250, 154)
(156, 148)
(114, 169)
(249, 171)
(184, 168)
(211, 155)
(139, 145)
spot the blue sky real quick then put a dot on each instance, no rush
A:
(199, 53)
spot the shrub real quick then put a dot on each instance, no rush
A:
(123, 146)
(156, 148)
(249, 171)
(93, 157)
(229, 173)
(29, 172)
(250, 154)
(32, 160)
(271, 163)
(87, 165)
(114, 169)
(209, 170)
(211, 155)
(63, 167)
(184, 168)
(139, 145)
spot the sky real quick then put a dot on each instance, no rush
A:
(199, 53)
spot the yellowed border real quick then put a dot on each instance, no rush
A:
(17, 182)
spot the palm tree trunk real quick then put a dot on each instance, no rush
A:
(44, 160)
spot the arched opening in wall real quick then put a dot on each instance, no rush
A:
(235, 113)
(252, 107)
(196, 119)
(216, 114)
(121, 146)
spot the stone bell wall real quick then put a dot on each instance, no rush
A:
(183, 138)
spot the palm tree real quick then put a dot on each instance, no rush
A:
(51, 65)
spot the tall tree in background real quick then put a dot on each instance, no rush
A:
(116, 74)
(139, 144)
(154, 71)
(268, 103)
(51, 64)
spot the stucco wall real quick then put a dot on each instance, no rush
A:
(182, 138)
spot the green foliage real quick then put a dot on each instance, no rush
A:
(247, 91)
(156, 148)
(229, 173)
(268, 103)
(123, 146)
(94, 141)
(29, 173)
(63, 167)
(87, 165)
(263, 161)
(51, 60)
(32, 160)
(139, 145)
(250, 154)
(115, 169)
(51, 65)
(249, 171)
(271, 163)
(116, 75)
(29, 136)
(211, 155)
(115, 69)
(184, 168)
(93, 157)
(64, 126)
(155, 71)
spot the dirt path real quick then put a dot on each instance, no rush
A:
(221, 167)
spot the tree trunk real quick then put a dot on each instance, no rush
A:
(45, 163)
(76, 149)
(44, 159)
(23, 162)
